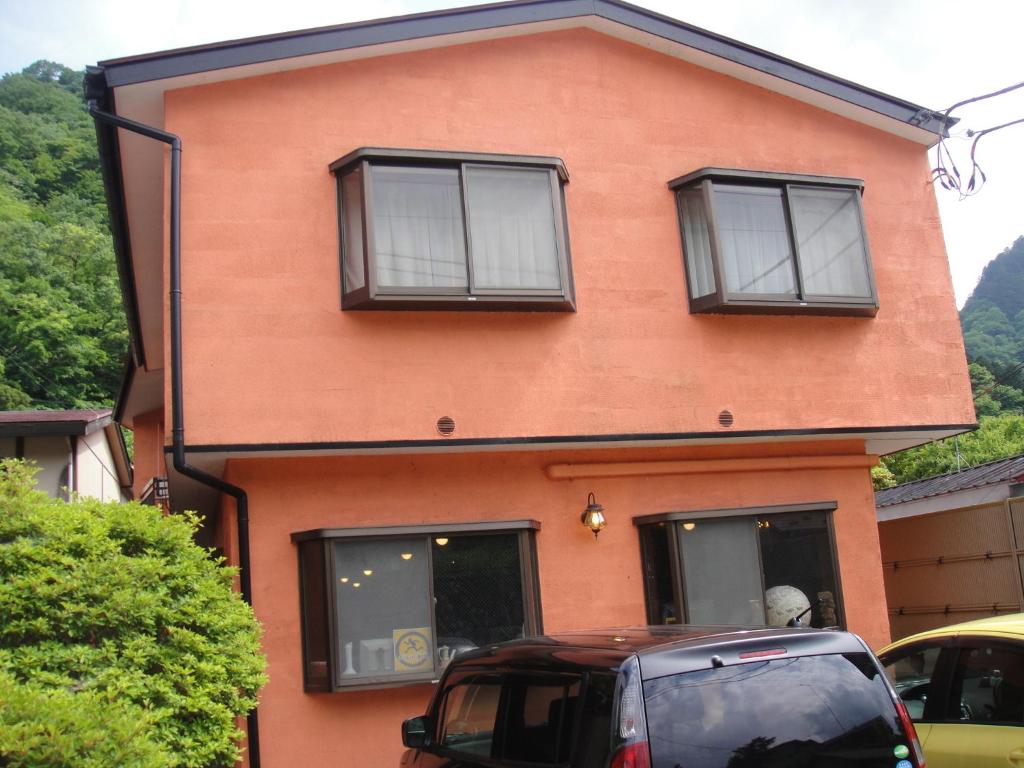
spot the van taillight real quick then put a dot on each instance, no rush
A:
(636, 755)
(629, 721)
(911, 734)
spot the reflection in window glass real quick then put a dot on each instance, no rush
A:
(721, 574)
(661, 607)
(512, 717)
(383, 608)
(512, 228)
(418, 235)
(756, 256)
(478, 590)
(833, 257)
(988, 685)
(832, 710)
(910, 672)
(470, 711)
(696, 243)
(796, 554)
(352, 211)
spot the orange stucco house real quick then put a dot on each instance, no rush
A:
(408, 296)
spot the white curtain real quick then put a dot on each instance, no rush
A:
(756, 257)
(698, 245)
(352, 208)
(512, 228)
(417, 227)
(826, 224)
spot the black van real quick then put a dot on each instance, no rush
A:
(666, 697)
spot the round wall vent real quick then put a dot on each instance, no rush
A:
(724, 419)
(446, 425)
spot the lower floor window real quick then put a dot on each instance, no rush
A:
(727, 567)
(383, 607)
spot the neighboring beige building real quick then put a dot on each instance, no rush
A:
(78, 451)
(953, 546)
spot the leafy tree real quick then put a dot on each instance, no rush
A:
(114, 611)
(63, 335)
(996, 437)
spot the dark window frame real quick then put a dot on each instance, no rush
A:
(675, 519)
(315, 550)
(721, 300)
(371, 296)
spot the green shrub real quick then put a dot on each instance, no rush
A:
(115, 602)
(47, 728)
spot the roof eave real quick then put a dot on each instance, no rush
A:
(236, 53)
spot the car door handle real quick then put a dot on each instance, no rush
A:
(1016, 756)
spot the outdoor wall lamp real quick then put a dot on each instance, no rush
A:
(593, 515)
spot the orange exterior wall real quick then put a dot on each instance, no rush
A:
(584, 583)
(148, 458)
(270, 357)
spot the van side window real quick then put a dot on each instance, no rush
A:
(511, 716)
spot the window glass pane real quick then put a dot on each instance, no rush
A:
(756, 256)
(418, 234)
(721, 572)
(910, 672)
(661, 607)
(696, 243)
(988, 685)
(383, 608)
(539, 719)
(314, 613)
(796, 553)
(478, 591)
(831, 710)
(470, 712)
(827, 227)
(352, 213)
(512, 228)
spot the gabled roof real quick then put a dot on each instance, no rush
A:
(52, 423)
(996, 472)
(129, 70)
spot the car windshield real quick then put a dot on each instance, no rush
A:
(805, 712)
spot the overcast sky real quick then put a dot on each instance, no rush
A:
(932, 52)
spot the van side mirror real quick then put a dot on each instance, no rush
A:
(414, 732)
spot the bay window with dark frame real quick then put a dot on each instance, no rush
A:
(766, 243)
(393, 605)
(744, 567)
(423, 229)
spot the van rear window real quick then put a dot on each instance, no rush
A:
(805, 712)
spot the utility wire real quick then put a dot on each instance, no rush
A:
(945, 171)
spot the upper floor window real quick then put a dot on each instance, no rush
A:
(774, 243)
(435, 230)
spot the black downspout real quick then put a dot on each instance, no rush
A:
(177, 390)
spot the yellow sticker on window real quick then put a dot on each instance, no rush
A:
(413, 650)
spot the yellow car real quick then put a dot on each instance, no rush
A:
(963, 686)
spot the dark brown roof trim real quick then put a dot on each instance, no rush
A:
(236, 53)
(487, 526)
(702, 514)
(542, 440)
(442, 157)
(741, 176)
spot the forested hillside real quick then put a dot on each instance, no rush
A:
(63, 337)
